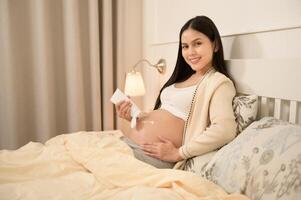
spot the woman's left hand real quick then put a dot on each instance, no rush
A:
(164, 150)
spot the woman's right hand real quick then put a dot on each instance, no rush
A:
(123, 109)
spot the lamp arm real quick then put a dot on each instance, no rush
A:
(144, 60)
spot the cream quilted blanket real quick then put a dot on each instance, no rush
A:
(94, 165)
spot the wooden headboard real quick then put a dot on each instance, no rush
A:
(276, 82)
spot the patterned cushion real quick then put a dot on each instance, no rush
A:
(198, 164)
(263, 162)
(245, 110)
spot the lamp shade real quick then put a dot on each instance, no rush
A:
(134, 85)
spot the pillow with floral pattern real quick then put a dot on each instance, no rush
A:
(245, 110)
(263, 162)
(197, 164)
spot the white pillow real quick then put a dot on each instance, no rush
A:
(263, 162)
(245, 110)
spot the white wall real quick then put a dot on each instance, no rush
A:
(166, 17)
(250, 29)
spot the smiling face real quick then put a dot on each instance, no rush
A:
(197, 50)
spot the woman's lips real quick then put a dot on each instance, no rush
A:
(194, 60)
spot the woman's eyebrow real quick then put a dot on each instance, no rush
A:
(196, 39)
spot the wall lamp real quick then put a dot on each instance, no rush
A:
(134, 85)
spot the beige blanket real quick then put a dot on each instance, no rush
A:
(94, 165)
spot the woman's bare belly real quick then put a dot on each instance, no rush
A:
(158, 123)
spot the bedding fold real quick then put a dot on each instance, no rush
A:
(94, 165)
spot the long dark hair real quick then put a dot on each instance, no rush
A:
(182, 70)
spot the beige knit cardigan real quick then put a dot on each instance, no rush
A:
(211, 122)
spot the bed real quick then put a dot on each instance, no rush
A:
(97, 165)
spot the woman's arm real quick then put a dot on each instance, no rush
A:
(222, 128)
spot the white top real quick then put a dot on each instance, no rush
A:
(177, 101)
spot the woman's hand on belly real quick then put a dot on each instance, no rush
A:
(164, 150)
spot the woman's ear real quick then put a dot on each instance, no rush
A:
(215, 46)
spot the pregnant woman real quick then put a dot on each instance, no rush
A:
(193, 113)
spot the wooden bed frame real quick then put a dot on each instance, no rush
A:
(277, 83)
